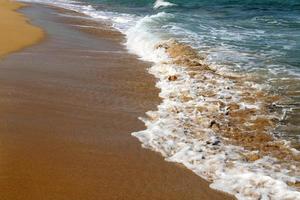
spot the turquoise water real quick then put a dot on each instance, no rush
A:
(244, 34)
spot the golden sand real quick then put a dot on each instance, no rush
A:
(16, 33)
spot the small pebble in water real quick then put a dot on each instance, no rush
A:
(216, 142)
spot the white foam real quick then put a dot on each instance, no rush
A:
(162, 3)
(170, 132)
(141, 39)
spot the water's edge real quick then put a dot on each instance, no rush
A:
(217, 123)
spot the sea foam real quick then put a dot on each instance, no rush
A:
(183, 134)
(162, 3)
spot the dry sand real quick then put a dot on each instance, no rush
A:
(16, 33)
(67, 108)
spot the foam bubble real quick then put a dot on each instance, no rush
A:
(182, 134)
(162, 3)
(142, 41)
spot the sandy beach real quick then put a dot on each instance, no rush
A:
(67, 108)
(16, 32)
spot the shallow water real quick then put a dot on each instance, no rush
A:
(230, 84)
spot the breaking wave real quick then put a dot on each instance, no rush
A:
(162, 3)
(218, 125)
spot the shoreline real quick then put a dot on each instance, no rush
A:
(16, 31)
(47, 95)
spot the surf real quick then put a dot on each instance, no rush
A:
(162, 4)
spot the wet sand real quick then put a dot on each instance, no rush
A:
(16, 33)
(67, 108)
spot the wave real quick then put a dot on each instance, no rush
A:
(141, 37)
(162, 3)
(216, 124)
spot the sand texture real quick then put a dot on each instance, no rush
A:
(16, 33)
